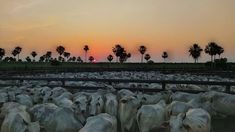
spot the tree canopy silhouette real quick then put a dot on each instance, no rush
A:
(110, 58)
(212, 50)
(66, 55)
(195, 51)
(60, 49)
(91, 58)
(86, 48)
(142, 49)
(164, 55)
(2, 53)
(147, 57)
(16, 52)
(34, 54)
(118, 50)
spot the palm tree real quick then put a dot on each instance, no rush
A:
(17, 51)
(66, 55)
(42, 58)
(60, 50)
(14, 53)
(91, 58)
(28, 59)
(164, 55)
(73, 58)
(118, 50)
(48, 56)
(220, 50)
(86, 48)
(124, 56)
(211, 49)
(110, 58)
(142, 50)
(34, 54)
(79, 59)
(2, 53)
(147, 57)
(195, 52)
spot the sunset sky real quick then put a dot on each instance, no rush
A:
(160, 25)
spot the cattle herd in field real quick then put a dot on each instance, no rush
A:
(35, 108)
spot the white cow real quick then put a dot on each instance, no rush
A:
(224, 104)
(96, 104)
(124, 92)
(3, 97)
(24, 100)
(183, 97)
(81, 102)
(177, 107)
(63, 120)
(195, 120)
(151, 116)
(127, 110)
(111, 104)
(43, 112)
(18, 120)
(100, 123)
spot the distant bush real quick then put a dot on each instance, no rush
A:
(218, 64)
(150, 62)
(221, 63)
(55, 62)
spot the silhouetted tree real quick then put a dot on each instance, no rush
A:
(91, 58)
(142, 50)
(61, 59)
(47, 56)
(66, 55)
(195, 52)
(118, 50)
(79, 59)
(211, 49)
(124, 56)
(17, 51)
(110, 58)
(34, 54)
(73, 59)
(42, 58)
(164, 55)
(60, 50)
(2, 53)
(147, 57)
(129, 55)
(86, 48)
(219, 50)
(28, 59)
(14, 53)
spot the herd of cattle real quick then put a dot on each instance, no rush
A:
(44, 109)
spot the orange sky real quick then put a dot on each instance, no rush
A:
(161, 25)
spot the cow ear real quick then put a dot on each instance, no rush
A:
(165, 124)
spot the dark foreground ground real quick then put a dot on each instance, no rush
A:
(227, 70)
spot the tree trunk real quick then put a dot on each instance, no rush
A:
(142, 57)
(85, 56)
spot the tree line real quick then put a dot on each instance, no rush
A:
(212, 49)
